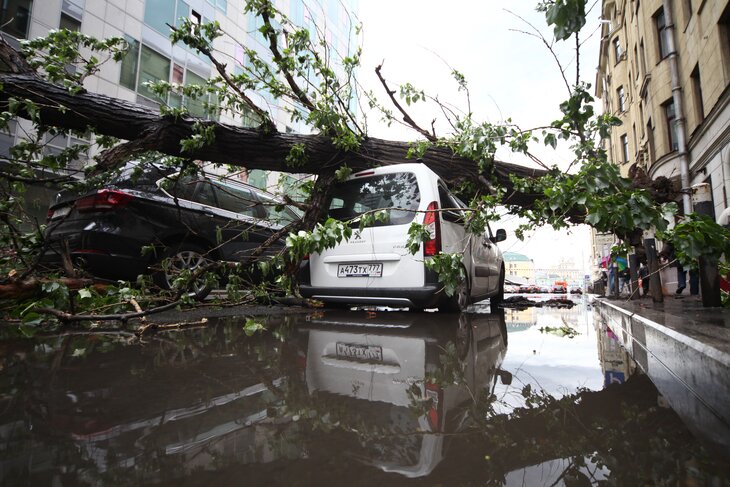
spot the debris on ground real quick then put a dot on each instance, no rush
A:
(521, 302)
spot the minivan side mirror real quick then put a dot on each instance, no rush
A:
(501, 235)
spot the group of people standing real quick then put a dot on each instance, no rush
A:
(617, 274)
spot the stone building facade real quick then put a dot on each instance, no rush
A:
(635, 83)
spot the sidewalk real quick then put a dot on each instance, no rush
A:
(685, 315)
(684, 348)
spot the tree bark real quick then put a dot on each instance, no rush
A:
(238, 146)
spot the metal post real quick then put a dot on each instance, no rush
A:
(655, 280)
(634, 273)
(709, 274)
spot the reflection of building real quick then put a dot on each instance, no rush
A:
(565, 270)
(519, 319)
(635, 82)
(518, 265)
(616, 364)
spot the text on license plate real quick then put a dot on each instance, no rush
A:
(369, 353)
(360, 270)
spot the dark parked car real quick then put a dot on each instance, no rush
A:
(188, 220)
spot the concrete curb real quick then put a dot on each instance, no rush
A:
(691, 372)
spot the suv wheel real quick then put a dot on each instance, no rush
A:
(185, 257)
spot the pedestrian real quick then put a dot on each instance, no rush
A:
(670, 256)
(644, 277)
(611, 279)
(625, 280)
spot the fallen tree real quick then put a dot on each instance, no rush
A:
(146, 130)
(37, 85)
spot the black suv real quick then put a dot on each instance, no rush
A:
(189, 220)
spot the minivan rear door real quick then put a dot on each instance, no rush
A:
(375, 256)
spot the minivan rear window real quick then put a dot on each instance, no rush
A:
(396, 192)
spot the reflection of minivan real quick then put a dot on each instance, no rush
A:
(374, 266)
(381, 368)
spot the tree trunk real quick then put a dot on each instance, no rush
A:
(238, 146)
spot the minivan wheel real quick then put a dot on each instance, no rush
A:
(181, 258)
(499, 297)
(463, 336)
(459, 301)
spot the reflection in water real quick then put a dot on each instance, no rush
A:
(331, 397)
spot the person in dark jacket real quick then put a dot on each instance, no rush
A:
(644, 276)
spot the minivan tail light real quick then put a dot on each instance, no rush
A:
(432, 222)
(436, 395)
(104, 199)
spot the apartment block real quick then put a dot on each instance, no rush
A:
(635, 83)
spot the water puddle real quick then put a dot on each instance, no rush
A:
(539, 396)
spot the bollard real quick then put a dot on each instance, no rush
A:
(634, 274)
(709, 274)
(655, 281)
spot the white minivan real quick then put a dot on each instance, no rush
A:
(374, 266)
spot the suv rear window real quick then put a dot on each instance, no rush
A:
(397, 192)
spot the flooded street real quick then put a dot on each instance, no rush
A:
(540, 396)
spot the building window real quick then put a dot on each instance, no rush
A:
(196, 107)
(152, 67)
(69, 23)
(650, 140)
(617, 51)
(130, 62)
(159, 13)
(621, 96)
(15, 17)
(642, 57)
(633, 129)
(54, 145)
(625, 148)
(221, 5)
(670, 116)
(724, 31)
(178, 73)
(662, 33)
(697, 92)
(687, 11)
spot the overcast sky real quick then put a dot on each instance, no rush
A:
(509, 74)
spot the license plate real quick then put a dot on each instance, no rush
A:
(360, 270)
(366, 353)
(61, 212)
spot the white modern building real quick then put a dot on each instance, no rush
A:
(144, 24)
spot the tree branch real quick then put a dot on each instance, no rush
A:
(406, 117)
